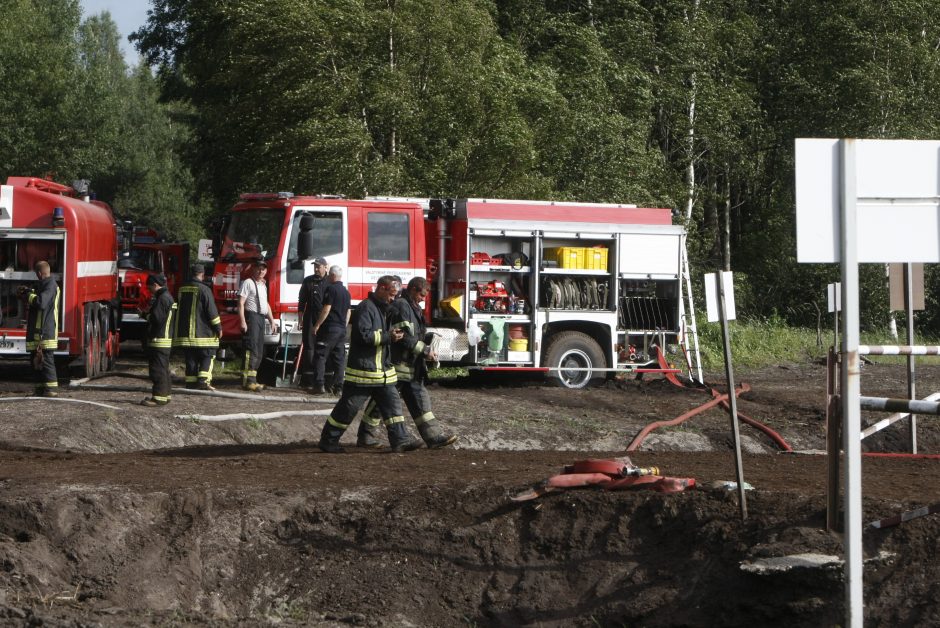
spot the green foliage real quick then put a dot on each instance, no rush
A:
(761, 342)
(689, 104)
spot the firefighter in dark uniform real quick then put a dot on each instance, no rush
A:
(410, 356)
(310, 302)
(198, 328)
(159, 340)
(42, 329)
(370, 374)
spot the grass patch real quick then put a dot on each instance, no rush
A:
(758, 343)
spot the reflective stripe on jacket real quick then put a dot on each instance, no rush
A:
(369, 362)
(160, 320)
(42, 319)
(198, 323)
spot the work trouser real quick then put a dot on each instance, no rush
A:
(416, 398)
(331, 344)
(309, 345)
(199, 361)
(158, 368)
(253, 342)
(45, 375)
(355, 396)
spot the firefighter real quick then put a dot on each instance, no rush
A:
(253, 308)
(369, 374)
(159, 340)
(310, 301)
(410, 356)
(330, 332)
(198, 329)
(42, 329)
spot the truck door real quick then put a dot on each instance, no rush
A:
(331, 241)
(390, 246)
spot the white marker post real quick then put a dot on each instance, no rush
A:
(861, 201)
(721, 306)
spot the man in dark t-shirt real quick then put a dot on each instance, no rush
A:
(330, 330)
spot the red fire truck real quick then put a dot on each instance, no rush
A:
(43, 220)
(575, 290)
(145, 252)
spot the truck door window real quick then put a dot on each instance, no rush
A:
(389, 237)
(327, 239)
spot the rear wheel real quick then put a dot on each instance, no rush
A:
(571, 353)
(91, 352)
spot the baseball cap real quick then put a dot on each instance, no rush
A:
(157, 279)
(321, 261)
(260, 263)
(198, 268)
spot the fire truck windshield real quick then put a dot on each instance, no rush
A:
(141, 259)
(252, 233)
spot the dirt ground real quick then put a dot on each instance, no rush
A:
(135, 516)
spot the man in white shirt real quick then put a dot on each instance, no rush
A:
(253, 309)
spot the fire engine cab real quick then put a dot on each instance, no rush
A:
(144, 252)
(574, 290)
(43, 220)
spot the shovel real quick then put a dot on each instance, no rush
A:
(284, 381)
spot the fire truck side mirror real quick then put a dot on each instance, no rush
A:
(305, 239)
(442, 208)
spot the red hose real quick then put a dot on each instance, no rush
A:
(718, 398)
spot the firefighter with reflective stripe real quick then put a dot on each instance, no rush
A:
(253, 309)
(159, 340)
(42, 329)
(369, 373)
(410, 356)
(198, 328)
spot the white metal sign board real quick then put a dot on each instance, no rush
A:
(898, 200)
(711, 296)
(834, 297)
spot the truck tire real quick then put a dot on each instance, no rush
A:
(574, 350)
(91, 349)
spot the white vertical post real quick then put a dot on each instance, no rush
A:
(911, 385)
(851, 388)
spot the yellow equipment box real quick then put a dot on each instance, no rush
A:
(595, 258)
(566, 256)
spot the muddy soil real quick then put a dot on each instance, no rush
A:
(121, 515)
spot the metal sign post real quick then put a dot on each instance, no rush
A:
(725, 310)
(860, 201)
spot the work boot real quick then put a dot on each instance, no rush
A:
(329, 439)
(46, 392)
(253, 387)
(317, 389)
(204, 386)
(368, 436)
(149, 402)
(400, 440)
(433, 436)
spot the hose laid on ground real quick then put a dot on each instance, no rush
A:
(718, 398)
(92, 403)
(265, 416)
(210, 393)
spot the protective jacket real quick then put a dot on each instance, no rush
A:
(198, 324)
(42, 322)
(160, 320)
(408, 353)
(369, 362)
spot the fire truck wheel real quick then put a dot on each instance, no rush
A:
(105, 361)
(91, 352)
(570, 351)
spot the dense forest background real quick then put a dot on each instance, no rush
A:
(687, 104)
